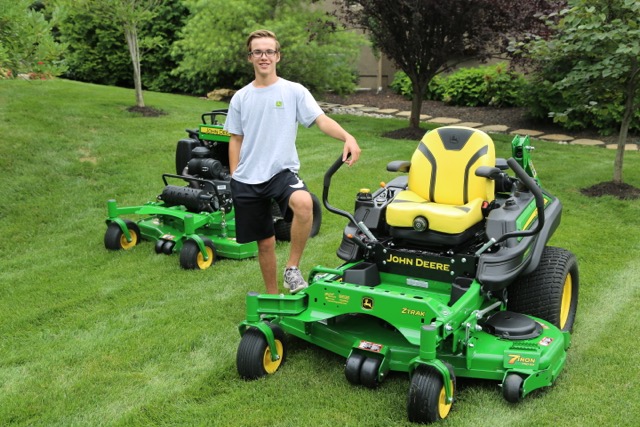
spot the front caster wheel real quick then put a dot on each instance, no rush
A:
(114, 238)
(512, 388)
(253, 359)
(191, 258)
(369, 372)
(352, 368)
(427, 399)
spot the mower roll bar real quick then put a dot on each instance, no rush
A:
(212, 116)
(325, 200)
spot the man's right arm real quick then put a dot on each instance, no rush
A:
(235, 143)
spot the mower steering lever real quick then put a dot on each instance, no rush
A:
(325, 201)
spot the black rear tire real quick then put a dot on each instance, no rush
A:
(550, 292)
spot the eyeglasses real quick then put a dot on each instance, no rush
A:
(258, 53)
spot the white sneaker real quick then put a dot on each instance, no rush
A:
(293, 280)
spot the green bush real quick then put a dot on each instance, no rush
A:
(26, 44)
(493, 85)
(401, 85)
(316, 52)
(544, 101)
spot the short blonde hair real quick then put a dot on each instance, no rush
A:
(258, 34)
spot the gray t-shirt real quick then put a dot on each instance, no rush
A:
(268, 120)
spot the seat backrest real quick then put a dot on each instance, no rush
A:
(444, 164)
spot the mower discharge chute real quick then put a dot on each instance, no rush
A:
(447, 274)
(194, 214)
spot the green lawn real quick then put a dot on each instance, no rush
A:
(92, 337)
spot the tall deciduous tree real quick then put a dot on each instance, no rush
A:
(426, 37)
(598, 41)
(97, 51)
(129, 15)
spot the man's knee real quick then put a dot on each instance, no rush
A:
(301, 204)
(267, 245)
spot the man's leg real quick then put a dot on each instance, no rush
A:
(268, 263)
(302, 206)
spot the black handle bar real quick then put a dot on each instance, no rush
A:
(532, 186)
(325, 190)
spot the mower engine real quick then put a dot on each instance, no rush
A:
(208, 189)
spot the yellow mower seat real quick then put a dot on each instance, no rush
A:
(443, 188)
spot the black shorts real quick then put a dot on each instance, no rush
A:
(252, 204)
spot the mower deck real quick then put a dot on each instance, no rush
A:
(401, 326)
(174, 225)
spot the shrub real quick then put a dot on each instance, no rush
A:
(401, 85)
(493, 85)
(544, 101)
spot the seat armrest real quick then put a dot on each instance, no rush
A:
(399, 166)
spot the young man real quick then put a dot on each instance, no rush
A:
(262, 120)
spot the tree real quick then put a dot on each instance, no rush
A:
(316, 50)
(98, 52)
(427, 37)
(129, 15)
(598, 44)
(26, 43)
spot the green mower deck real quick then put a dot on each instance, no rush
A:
(199, 237)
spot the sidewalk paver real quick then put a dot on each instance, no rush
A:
(556, 137)
(529, 132)
(470, 124)
(627, 147)
(494, 128)
(586, 141)
(444, 120)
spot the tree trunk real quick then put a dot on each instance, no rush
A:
(627, 116)
(131, 34)
(416, 102)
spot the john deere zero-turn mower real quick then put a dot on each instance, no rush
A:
(446, 274)
(194, 213)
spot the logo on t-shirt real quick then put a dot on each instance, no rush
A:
(279, 104)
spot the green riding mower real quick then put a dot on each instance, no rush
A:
(446, 274)
(194, 215)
